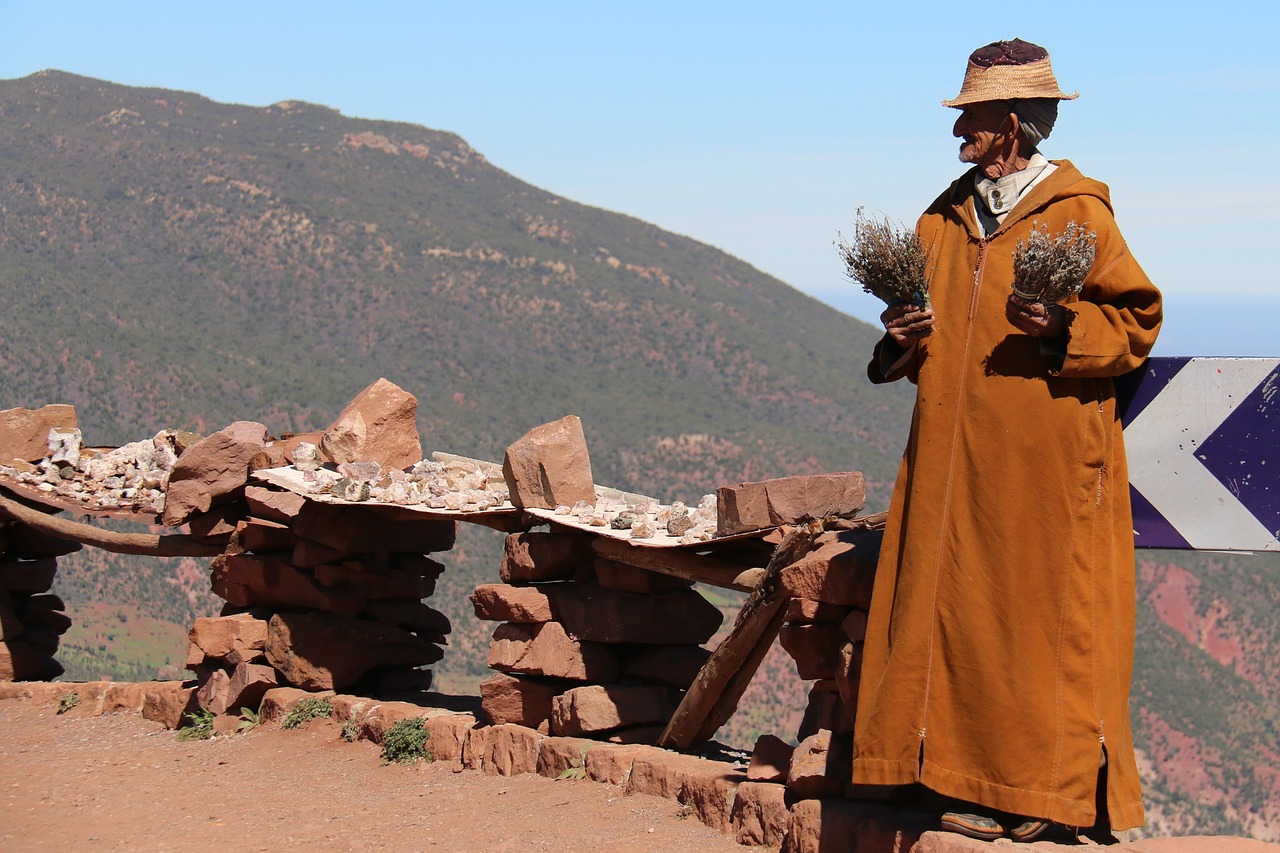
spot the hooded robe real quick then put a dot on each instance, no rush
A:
(999, 647)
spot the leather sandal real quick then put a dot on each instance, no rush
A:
(981, 827)
(1029, 830)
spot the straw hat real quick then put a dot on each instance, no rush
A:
(1006, 71)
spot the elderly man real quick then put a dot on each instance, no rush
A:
(999, 651)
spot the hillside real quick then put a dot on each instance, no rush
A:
(204, 261)
(166, 260)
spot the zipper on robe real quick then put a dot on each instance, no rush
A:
(977, 278)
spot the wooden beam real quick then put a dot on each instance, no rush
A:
(714, 694)
(144, 544)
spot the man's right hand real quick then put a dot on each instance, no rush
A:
(907, 324)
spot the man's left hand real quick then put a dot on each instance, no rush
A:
(1035, 318)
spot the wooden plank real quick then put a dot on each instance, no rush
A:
(714, 694)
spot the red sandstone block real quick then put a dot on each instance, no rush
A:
(760, 814)
(827, 710)
(807, 611)
(549, 466)
(446, 734)
(599, 708)
(535, 556)
(548, 650)
(675, 666)
(360, 529)
(813, 822)
(558, 754)
(124, 696)
(259, 536)
(814, 648)
(770, 503)
(521, 700)
(611, 763)
(821, 766)
(510, 750)
(169, 702)
(273, 505)
(770, 759)
(280, 701)
(840, 570)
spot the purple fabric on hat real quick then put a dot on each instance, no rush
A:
(1016, 52)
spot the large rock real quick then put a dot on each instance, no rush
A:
(770, 503)
(590, 612)
(249, 683)
(813, 823)
(415, 616)
(536, 556)
(247, 580)
(24, 433)
(523, 700)
(511, 749)
(545, 649)
(601, 708)
(210, 471)
(840, 570)
(549, 466)
(770, 759)
(814, 648)
(379, 425)
(318, 651)
(366, 529)
(21, 660)
(28, 576)
(169, 702)
(760, 814)
(821, 766)
(280, 507)
(219, 636)
(676, 666)
(357, 579)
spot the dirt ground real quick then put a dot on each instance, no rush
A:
(120, 782)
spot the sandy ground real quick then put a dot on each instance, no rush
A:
(119, 782)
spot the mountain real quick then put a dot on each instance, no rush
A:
(169, 261)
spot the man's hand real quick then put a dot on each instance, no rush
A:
(1035, 318)
(907, 324)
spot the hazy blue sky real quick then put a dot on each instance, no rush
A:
(761, 127)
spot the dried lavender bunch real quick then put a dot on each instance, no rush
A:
(887, 260)
(1049, 269)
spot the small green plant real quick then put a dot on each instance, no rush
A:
(67, 702)
(350, 730)
(406, 742)
(684, 811)
(249, 719)
(307, 709)
(577, 769)
(199, 726)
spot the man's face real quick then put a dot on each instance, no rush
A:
(978, 127)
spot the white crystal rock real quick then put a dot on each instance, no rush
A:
(306, 456)
(643, 528)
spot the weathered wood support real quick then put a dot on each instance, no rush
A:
(714, 694)
(142, 544)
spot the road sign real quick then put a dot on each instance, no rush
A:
(1202, 436)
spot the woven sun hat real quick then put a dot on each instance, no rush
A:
(1008, 71)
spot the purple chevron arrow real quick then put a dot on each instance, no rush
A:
(1201, 435)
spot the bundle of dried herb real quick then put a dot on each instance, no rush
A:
(887, 260)
(1048, 268)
